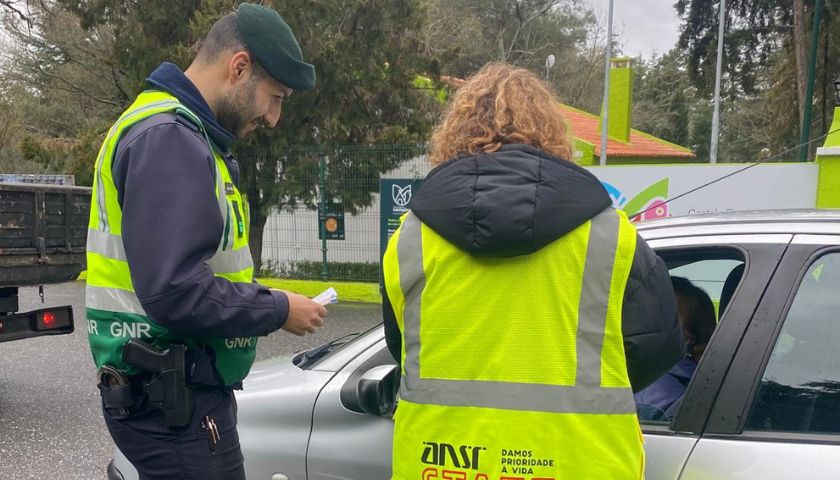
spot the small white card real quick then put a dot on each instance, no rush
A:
(326, 297)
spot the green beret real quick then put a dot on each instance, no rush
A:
(273, 46)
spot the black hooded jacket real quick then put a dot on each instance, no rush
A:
(518, 200)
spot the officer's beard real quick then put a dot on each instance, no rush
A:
(235, 110)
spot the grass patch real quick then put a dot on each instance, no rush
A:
(347, 291)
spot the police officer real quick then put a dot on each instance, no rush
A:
(172, 308)
(523, 308)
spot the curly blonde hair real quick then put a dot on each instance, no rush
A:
(499, 105)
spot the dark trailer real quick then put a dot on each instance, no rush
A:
(43, 231)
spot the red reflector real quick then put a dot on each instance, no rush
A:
(49, 319)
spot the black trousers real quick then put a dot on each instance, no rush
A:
(162, 453)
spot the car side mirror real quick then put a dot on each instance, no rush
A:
(376, 390)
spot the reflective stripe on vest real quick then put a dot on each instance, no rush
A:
(113, 300)
(586, 396)
(115, 131)
(114, 311)
(105, 244)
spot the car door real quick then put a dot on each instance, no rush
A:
(701, 258)
(346, 443)
(777, 415)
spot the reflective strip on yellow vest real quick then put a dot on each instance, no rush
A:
(113, 309)
(464, 409)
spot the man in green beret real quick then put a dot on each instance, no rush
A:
(172, 308)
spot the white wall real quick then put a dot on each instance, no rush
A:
(293, 236)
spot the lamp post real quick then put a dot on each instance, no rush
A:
(809, 86)
(713, 149)
(604, 121)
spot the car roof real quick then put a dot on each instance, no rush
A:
(795, 221)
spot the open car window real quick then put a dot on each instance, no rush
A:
(710, 276)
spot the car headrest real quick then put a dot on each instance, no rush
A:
(729, 287)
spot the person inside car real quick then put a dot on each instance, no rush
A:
(660, 400)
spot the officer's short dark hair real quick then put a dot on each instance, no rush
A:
(224, 37)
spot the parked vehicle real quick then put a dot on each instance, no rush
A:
(43, 231)
(764, 402)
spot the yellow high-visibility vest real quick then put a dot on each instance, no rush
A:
(514, 368)
(113, 310)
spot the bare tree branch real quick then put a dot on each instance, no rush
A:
(590, 63)
(12, 8)
(76, 89)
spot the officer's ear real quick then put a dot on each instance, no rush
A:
(239, 67)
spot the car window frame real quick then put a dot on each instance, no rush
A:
(731, 409)
(761, 254)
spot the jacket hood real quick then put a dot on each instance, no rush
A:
(169, 78)
(510, 202)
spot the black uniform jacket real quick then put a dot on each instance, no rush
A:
(164, 172)
(518, 200)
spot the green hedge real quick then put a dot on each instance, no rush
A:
(309, 270)
(347, 291)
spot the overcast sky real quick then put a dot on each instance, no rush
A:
(644, 26)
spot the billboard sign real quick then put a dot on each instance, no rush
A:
(643, 190)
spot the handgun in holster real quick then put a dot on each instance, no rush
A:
(168, 389)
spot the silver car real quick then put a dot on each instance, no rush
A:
(764, 402)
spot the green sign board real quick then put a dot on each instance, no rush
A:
(331, 226)
(394, 198)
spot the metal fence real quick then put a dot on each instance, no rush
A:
(339, 183)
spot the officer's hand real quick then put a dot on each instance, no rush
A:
(305, 316)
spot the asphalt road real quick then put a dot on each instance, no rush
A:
(50, 422)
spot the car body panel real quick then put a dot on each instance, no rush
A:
(666, 453)
(738, 459)
(820, 221)
(345, 444)
(278, 393)
(119, 468)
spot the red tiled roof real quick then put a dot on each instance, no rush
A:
(585, 127)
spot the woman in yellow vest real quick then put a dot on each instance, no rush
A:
(523, 308)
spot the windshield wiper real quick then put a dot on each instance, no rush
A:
(304, 359)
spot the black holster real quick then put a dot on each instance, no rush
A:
(116, 390)
(167, 389)
(168, 392)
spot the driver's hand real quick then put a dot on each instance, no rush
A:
(305, 316)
